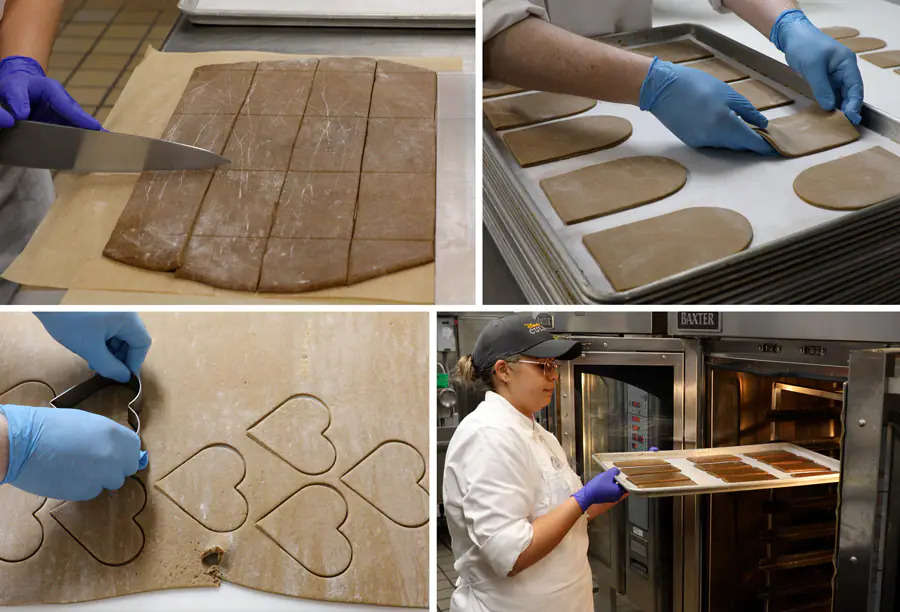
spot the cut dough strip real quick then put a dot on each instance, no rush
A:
(760, 95)
(494, 91)
(852, 182)
(528, 109)
(883, 59)
(652, 469)
(809, 131)
(719, 69)
(562, 139)
(676, 51)
(640, 463)
(714, 459)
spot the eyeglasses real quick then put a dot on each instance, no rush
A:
(551, 366)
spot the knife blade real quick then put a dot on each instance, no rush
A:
(56, 147)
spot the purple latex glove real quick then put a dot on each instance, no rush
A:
(602, 489)
(654, 449)
(27, 93)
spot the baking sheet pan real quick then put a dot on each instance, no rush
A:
(707, 483)
(759, 188)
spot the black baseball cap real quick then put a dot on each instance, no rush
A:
(519, 334)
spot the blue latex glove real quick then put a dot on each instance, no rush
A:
(113, 343)
(602, 489)
(68, 454)
(27, 93)
(829, 66)
(654, 449)
(702, 110)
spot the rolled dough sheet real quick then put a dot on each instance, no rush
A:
(720, 70)
(676, 51)
(528, 109)
(761, 95)
(66, 251)
(839, 32)
(883, 59)
(639, 253)
(851, 182)
(809, 131)
(861, 44)
(562, 139)
(494, 90)
(306, 494)
(613, 186)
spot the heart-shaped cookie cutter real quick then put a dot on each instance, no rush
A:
(70, 398)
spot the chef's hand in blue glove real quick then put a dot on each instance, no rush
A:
(68, 454)
(830, 67)
(113, 343)
(702, 110)
(601, 489)
(27, 93)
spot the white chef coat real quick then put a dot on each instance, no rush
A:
(502, 471)
(585, 17)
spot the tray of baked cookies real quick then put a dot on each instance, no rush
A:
(720, 470)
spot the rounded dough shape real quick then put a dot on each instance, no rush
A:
(613, 186)
(495, 90)
(528, 109)
(640, 253)
(838, 32)
(562, 139)
(883, 59)
(862, 44)
(851, 182)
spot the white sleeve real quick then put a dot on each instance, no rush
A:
(501, 14)
(502, 489)
(717, 5)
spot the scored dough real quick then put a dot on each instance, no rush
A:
(862, 44)
(613, 186)
(493, 90)
(562, 139)
(719, 69)
(534, 108)
(809, 131)
(838, 32)
(851, 182)
(676, 51)
(760, 95)
(883, 59)
(639, 253)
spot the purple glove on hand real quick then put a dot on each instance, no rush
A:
(602, 489)
(27, 93)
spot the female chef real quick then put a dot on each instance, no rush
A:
(517, 512)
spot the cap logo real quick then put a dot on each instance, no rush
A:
(534, 328)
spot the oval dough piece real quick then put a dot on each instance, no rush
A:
(838, 32)
(639, 253)
(562, 139)
(613, 186)
(883, 59)
(851, 182)
(529, 109)
(719, 69)
(809, 131)
(498, 89)
(861, 44)
(676, 51)
(760, 95)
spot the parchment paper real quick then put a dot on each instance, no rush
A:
(254, 424)
(66, 250)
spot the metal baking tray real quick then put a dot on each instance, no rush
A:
(800, 253)
(341, 13)
(707, 483)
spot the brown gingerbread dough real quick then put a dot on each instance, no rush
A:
(861, 44)
(676, 51)
(687, 482)
(657, 477)
(714, 459)
(652, 469)
(747, 477)
(720, 70)
(562, 139)
(851, 182)
(528, 109)
(498, 89)
(809, 131)
(639, 253)
(640, 463)
(883, 59)
(761, 95)
(613, 186)
(838, 32)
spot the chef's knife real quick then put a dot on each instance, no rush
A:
(56, 147)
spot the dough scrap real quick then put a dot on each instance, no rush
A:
(639, 253)
(304, 64)
(498, 89)
(809, 131)
(568, 138)
(861, 44)
(613, 186)
(229, 263)
(838, 32)
(852, 182)
(528, 109)
(719, 69)
(883, 59)
(760, 95)
(676, 51)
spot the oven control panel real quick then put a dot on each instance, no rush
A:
(637, 415)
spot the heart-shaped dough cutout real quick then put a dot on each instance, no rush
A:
(21, 533)
(206, 487)
(105, 526)
(295, 431)
(307, 526)
(390, 479)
